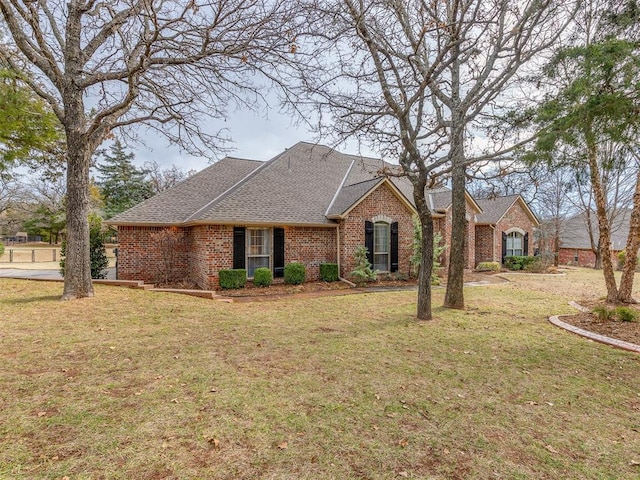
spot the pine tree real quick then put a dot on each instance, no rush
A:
(122, 184)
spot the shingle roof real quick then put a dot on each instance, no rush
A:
(494, 208)
(574, 232)
(303, 185)
(177, 204)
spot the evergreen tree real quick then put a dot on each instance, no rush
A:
(122, 184)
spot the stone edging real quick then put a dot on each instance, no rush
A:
(555, 320)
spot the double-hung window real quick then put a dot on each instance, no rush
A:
(381, 246)
(515, 244)
(258, 249)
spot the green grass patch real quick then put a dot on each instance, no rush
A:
(135, 384)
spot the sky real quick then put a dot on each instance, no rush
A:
(254, 137)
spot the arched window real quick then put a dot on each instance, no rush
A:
(381, 236)
(515, 244)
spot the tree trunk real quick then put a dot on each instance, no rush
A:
(597, 263)
(454, 296)
(424, 276)
(603, 221)
(631, 249)
(77, 276)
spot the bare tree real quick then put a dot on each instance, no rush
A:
(162, 179)
(115, 65)
(419, 80)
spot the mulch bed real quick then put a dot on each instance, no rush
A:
(625, 331)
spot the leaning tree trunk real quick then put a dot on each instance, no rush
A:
(631, 249)
(603, 221)
(424, 310)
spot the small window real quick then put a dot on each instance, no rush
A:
(515, 244)
(258, 249)
(381, 246)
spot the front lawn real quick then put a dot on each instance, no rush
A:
(135, 384)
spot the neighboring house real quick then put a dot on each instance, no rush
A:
(309, 204)
(504, 228)
(575, 242)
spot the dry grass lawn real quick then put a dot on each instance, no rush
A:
(142, 385)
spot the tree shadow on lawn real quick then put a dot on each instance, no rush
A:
(25, 300)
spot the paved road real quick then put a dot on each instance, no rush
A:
(42, 274)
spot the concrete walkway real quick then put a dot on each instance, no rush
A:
(41, 274)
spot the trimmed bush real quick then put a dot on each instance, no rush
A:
(262, 277)
(230, 279)
(294, 273)
(98, 253)
(626, 314)
(488, 267)
(329, 272)
(1, 248)
(518, 262)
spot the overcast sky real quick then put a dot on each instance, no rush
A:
(254, 137)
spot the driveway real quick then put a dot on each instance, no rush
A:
(33, 274)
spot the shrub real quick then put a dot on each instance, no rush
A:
(416, 258)
(233, 278)
(1, 248)
(602, 313)
(626, 314)
(262, 277)
(294, 273)
(488, 267)
(622, 256)
(329, 272)
(363, 272)
(518, 262)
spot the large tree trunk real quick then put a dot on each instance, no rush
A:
(77, 266)
(426, 267)
(631, 249)
(603, 221)
(77, 278)
(454, 296)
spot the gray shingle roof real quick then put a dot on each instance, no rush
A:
(574, 232)
(303, 185)
(177, 204)
(494, 208)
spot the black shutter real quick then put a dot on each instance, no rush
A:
(504, 246)
(526, 244)
(278, 252)
(368, 240)
(394, 247)
(238, 247)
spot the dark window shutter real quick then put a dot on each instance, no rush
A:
(394, 247)
(526, 244)
(368, 240)
(278, 252)
(504, 246)
(238, 247)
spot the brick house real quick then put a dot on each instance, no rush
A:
(575, 239)
(503, 228)
(309, 204)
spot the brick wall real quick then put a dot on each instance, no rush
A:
(310, 246)
(489, 240)
(381, 202)
(586, 257)
(485, 244)
(151, 253)
(210, 250)
(443, 225)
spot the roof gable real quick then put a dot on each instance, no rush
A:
(493, 209)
